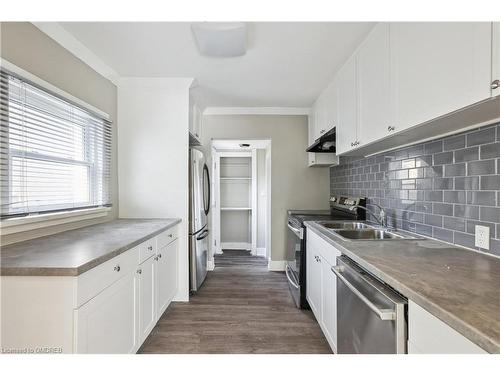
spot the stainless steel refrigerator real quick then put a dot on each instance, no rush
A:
(199, 206)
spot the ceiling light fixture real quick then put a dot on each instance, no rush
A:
(220, 39)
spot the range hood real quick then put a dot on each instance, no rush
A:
(325, 143)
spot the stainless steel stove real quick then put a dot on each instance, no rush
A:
(341, 208)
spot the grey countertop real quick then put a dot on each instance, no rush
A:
(76, 251)
(460, 287)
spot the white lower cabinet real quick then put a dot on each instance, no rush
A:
(147, 289)
(111, 308)
(321, 285)
(429, 335)
(107, 323)
(313, 280)
(329, 303)
(166, 277)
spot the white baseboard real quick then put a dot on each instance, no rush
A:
(276, 265)
(236, 246)
(210, 264)
(260, 252)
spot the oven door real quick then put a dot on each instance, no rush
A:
(294, 247)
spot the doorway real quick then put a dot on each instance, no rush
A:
(241, 215)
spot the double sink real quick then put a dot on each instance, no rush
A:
(355, 230)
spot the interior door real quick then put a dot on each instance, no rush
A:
(438, 68)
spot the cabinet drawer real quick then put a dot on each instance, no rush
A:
(92, 282)
(432, 336)
(164, 238)
(327, 251)
(147, 249)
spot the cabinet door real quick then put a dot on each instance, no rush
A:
(330, 107)
(374, 85)
(329, 303)
(496, 59)
(147, 316)
(437, 68)
(347, 107)
(429, 335)
(320, 116)
(313, 281)
(166, 276)
(107, 323)
(311, 125)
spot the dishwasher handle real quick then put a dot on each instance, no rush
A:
(383, 314)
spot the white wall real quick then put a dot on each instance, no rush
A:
(153, 149)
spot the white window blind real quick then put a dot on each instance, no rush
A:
(55, 155)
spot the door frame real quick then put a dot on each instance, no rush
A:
(218, 150)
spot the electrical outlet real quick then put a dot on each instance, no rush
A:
(483, 237)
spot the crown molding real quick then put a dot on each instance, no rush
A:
(280, 111)
(59, 34)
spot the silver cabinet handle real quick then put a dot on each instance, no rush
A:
(155, 258)
(321, 131)
(391, 128)
(495, 84)
(170, 235)
(298, 232)
(383, 314)
(295, 285)
(150, 248)
(117, 268)
(159, 255)
(352, 144)
(139, 271)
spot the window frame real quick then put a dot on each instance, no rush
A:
(34, 220)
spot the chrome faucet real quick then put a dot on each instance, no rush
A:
(381, 217)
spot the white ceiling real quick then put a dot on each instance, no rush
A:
(286, 64)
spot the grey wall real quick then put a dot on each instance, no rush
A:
(294, 185)
(24, 45)
(441, 188)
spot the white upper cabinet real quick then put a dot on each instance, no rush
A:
(438, 68)
(347, 107)
(375, 120)
(495, 81)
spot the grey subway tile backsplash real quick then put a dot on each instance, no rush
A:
(454, 143)
(490, 151)
(480, 137)
(441, 188)
(467, 154)
(483, 167)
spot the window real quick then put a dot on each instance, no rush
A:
(54, 155)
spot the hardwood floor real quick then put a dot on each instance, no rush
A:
(241, 308)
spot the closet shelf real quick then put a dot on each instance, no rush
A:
(235, 208)
(236, 178)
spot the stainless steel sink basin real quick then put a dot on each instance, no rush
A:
(345, 225)
(373, 234)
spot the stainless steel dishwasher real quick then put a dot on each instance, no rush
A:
(371, 317)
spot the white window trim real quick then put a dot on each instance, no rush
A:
(37, 221)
